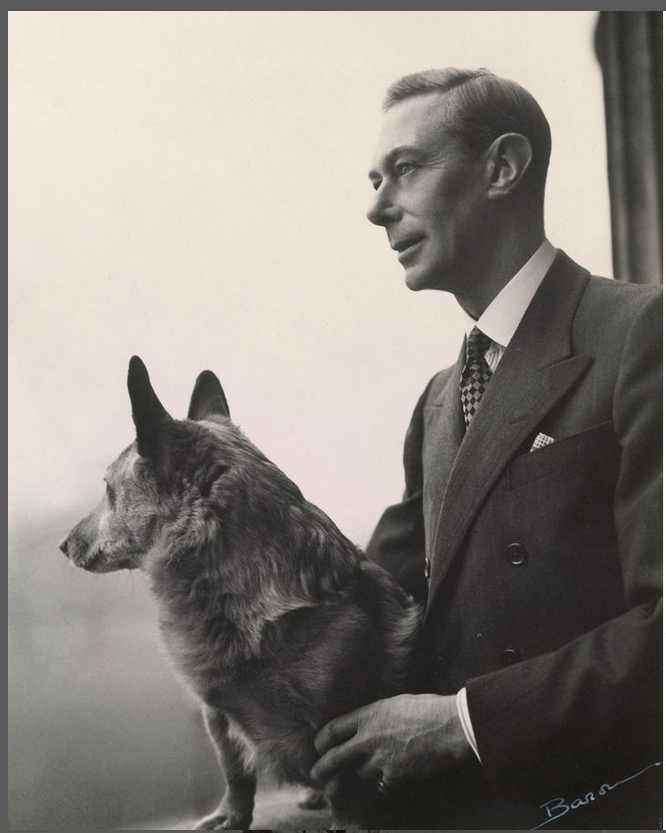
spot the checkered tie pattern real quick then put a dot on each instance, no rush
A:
(476, 374)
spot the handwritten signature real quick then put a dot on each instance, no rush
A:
(558, 807)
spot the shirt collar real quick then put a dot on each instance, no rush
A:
(502, 316)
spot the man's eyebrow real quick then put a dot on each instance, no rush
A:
(394, 154)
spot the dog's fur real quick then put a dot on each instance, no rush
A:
(273, 618)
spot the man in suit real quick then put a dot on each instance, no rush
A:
(531, 519)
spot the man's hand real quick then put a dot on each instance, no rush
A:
(404, 738)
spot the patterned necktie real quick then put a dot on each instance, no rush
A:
(476, 374)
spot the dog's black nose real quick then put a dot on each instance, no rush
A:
(63, 545)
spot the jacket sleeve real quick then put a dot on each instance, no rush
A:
(574, 713)
(398, 542)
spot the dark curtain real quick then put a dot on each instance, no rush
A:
(629, 48)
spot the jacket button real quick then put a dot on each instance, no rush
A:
(509, 657)
(516, 554)
(426, 568)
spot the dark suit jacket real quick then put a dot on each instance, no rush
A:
(544, 588)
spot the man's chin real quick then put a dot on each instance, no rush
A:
(417, 280)
(419, 276)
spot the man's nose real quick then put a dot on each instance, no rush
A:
(382, 210)
(64, 544)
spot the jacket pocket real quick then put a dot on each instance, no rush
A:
(572, 451)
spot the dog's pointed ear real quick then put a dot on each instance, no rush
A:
(148, 413)
(208, 398)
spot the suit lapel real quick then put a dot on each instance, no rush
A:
(536, 371)
(444, 432)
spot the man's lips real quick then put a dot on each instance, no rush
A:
(406, 246)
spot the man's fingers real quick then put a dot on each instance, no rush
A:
(336, 758)
(336, 731)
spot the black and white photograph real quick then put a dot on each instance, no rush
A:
(335, 420)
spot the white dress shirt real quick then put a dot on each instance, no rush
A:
(499, 322)
(504, 313)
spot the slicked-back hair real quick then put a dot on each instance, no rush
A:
(480, 106)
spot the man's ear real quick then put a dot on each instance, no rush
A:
(208, 398)
(150, 417)
(508, 159)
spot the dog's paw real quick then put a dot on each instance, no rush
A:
(312, 799)
(223, 819)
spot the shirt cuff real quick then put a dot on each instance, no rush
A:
(466, 721)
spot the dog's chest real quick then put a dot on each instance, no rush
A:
(203, 660)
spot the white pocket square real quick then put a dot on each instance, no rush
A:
(541, 441)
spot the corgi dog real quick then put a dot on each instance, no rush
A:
(270, 615)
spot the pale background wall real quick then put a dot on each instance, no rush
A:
(191, 187)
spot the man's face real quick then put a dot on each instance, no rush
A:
(429, 195)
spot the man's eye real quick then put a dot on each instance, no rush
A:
(403, 168)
